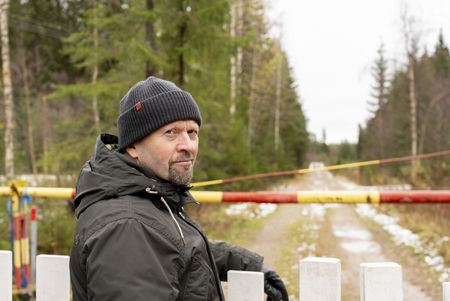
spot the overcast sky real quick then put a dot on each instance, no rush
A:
(332, 46)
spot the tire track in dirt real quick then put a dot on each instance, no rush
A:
(269, 240)
(343, 235)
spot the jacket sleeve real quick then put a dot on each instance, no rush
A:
(229, 257)
(129, 260)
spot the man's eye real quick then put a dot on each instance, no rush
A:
(193, 133)
(171, 132)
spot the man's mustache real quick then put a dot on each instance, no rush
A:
(181, 158)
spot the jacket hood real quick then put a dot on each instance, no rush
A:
(110, 174)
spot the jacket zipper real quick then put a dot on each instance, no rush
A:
(211, 261)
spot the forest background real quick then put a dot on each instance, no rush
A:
(72, 61)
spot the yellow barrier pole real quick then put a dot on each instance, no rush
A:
(41, 192)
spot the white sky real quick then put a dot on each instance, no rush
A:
(332, 45)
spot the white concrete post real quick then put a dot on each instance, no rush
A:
(381, 281)
(52, 278)
(320, 279)
(6, 275)
(446, 291)
(33, 243)
(245, 286)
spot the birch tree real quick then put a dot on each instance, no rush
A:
(411, 39)
(7, 91)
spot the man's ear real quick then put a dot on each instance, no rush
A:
(132, 151)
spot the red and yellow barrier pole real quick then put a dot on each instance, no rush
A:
(17, 235)
(325, 168)
(25, 250)
(343, 197)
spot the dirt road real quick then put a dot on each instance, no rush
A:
(341, 233)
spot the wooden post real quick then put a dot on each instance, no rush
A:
(6, 275)
(381, 281)
(446, 291)
(52, 278)
(320, 279)
(245, 286)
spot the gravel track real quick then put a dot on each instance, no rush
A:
(343, 235)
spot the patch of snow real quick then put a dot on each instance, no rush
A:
(246, 209)
(361, 246)
(353, 233)
(237, 209)
(403, 236)
(266, 209)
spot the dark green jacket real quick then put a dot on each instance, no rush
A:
(134, 242)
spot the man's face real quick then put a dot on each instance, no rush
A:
(170, 151)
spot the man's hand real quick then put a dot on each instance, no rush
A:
(274, 286)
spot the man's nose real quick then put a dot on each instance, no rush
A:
(185, 143)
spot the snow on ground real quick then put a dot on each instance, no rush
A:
(249, 210)
(403, 236)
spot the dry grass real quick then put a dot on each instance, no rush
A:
(429, 221)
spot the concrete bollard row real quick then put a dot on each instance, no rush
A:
(320, 280)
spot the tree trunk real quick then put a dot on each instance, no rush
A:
(233, 60)
(45, 135)
(413, 112)
(252, 100)
(44, 117)
(150, 37)
(411, 41)
(278, 101)
(181, 41)
(94, 76)
(236, 58)
(26, 89)
(7, 91)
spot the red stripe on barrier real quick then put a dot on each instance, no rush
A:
(259, 197)
(417, 196)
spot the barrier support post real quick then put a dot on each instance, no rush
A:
(6, 275)
(52, 278)
(446, 291)
(381, 281)
(320, 279)
(245, 286)
(33, 243)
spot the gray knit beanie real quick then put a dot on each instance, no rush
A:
(151, 104)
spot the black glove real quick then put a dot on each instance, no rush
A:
(274, 286)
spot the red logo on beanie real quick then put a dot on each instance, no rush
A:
(138, 106)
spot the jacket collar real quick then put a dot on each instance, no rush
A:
(176, 195)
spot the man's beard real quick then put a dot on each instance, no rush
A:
(184, 176)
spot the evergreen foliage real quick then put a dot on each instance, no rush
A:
(80, 57)
(433, 94)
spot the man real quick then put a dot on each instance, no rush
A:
(133, 239)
